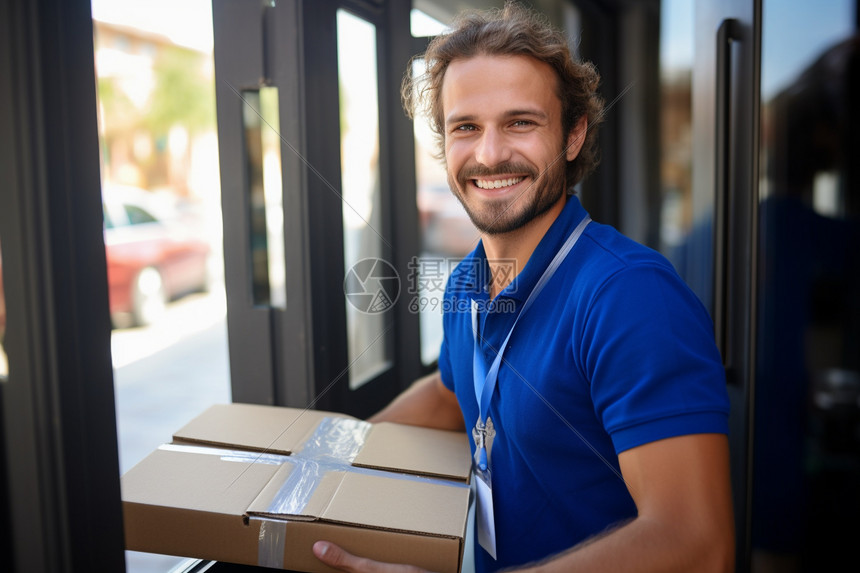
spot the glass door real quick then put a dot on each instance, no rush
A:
(706, 215)
(162, 223)
(807, 405)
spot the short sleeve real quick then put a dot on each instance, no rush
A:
(445, 365)
(649, 355)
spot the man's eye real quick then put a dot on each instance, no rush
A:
(466, 127)
(523, 123)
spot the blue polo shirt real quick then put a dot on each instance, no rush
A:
(615, 352)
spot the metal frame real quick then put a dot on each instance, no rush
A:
(725, 168)
(241, 50)
(59, 427)
(298, 356)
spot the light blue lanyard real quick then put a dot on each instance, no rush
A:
(485, 380)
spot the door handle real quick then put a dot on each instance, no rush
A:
(727, 34)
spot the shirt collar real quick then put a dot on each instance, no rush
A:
(519, 289)
(474, 270)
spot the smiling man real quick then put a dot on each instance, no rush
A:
(598, 409)
(503, 141)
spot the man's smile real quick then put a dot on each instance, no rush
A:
(496, 183)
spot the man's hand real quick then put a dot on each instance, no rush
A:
(336, 557)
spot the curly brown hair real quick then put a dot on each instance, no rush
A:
(512, 30)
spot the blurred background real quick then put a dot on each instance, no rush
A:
(162, 207)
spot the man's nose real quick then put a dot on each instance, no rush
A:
(492, 149)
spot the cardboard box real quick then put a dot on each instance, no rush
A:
(259, 485)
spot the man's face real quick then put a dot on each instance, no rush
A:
(504, 147)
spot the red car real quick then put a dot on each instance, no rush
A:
(153, 255)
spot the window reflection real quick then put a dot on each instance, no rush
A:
(807, 405)
(370, 285)
(685, 227)
(263, 155)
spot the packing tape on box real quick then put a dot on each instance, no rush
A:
(337, 439)
(228, 455)
(273, 536)
(296, 491)
(332, 447)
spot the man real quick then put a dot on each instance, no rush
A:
(603, 434)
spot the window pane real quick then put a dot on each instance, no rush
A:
(807, 405)
(159, 149)
(685, 220)
(263, 154)
(422, 24)
(370, 280)
(273, 192)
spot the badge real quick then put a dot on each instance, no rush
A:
(484, 513)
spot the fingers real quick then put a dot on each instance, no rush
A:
(338, 558)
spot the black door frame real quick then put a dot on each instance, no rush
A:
(726, 131)
(298, 356)
(58, 419)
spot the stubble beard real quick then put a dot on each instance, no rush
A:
(505, 216)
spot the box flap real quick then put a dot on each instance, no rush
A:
(273, 429)
(416, 450)
(298, 491)
(200, 482)
(400, 504)
(368, 498)
(253, 427)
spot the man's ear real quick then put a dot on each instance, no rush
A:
(576, 138)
